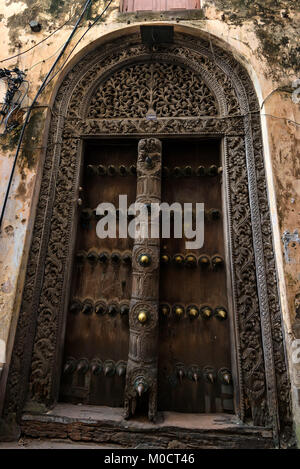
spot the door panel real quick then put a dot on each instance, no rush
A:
(100, 337)
(186, 344)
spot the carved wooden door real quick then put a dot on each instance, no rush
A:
(172, 343)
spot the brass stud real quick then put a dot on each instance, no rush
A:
(190, 260)
(212, 170)
(140, 385)
(101, 170)
(92, 257)
(178, 311)
(224, 376)
(80, 256)
(177, 171)
(188, 171)
(200, 171)
(82, 366)
(209, 374)
(103, 257)
(179, 259)
(100, 308)
(96, 370)
(193, 373)
(144, 260)
(111, 170)
(206, 311)
(221, 313)
(112, 309)
(123, 170)
(165, 310)
(92, 170)
(180, 374)
(87, 308)
(75, 307)
(142, 317)
(165, 258)
(121, 368)
(193, 311)
(215, 214)
(204, 261)
(217, 261)
(70, 366)
(127, 258)
(96, 366)
(124, 309)
(115, 258)
(109, 368)
(180, 371)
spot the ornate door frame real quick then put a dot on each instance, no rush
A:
(257, 340)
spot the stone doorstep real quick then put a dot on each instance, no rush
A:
(100, 424)
(38, 443)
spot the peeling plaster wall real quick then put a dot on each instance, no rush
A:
(261, 34)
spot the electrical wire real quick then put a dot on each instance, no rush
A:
(48, 58)
(40, 42)
(281, 89)
(44, 60)
(16, 105)
(86, 6)
(289, 121)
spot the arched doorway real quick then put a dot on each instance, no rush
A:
(204, 104)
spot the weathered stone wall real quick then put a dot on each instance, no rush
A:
(261, 34)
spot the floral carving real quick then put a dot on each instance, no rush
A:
(170, 90)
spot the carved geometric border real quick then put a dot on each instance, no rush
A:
(263, 383)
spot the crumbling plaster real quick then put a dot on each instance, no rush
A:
(261, 34)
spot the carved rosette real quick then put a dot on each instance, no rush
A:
(141, 374)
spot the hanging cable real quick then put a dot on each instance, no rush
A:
(14, 95)
(86, 6)
(90, 27)
(38, 43)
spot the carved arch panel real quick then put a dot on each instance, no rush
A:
(227, 109)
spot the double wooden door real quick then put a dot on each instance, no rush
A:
(194, 359)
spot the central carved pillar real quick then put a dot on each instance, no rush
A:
(141, 375)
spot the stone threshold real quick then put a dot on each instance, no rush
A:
(177, 430)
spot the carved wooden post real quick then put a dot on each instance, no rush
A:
(141, 375)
